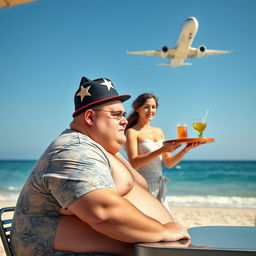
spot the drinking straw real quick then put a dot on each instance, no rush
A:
(206, 114)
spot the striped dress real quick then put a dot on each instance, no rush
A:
(153, 171)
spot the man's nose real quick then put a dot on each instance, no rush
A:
(123, 121)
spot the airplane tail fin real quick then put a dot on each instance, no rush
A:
(163, 64)
(174, 64)
(185, 64)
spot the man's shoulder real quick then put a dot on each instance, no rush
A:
(71, 137)
(74, 141)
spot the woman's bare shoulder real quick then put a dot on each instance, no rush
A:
(133, 129)
(132, 132)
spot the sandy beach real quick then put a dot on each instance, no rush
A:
(194, 216)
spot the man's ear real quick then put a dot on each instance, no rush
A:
(89, 117)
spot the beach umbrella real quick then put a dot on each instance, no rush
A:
(8, 3)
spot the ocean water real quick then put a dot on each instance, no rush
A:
(212, 183)
(191, 183)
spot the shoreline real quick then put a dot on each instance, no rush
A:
(190, 216)
(213, 216)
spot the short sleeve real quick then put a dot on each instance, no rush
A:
(76, 171)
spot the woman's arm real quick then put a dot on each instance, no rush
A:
(137, 160)
(171, 160)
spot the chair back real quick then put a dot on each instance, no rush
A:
(5, 228)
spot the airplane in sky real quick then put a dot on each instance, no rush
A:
(183, 49)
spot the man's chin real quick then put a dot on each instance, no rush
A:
(122, 140)
(114, 148)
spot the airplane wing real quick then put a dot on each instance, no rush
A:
(215, 52)
(146, 53)
(202, 51)
(165, 52)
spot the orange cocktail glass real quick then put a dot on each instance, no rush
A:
(182, 131)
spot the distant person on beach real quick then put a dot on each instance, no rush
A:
(82, 197)
(145, 148)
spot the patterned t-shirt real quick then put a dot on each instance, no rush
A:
(71, 166)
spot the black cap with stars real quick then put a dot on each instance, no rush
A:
(92, 93)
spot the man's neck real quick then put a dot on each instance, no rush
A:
(75, 125)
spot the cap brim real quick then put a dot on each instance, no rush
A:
(122, 98)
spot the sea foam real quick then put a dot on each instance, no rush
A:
(213, 201)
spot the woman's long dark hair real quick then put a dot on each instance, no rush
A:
(138, 102)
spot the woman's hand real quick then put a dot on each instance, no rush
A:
(170, 146)
(193, 145)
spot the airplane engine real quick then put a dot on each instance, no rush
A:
(201, 51)
(164, 51)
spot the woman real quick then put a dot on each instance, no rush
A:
(145, 148)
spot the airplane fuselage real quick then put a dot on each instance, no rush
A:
(185, 39)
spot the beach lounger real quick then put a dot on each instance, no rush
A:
(5, 228)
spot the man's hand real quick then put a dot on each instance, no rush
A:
(175, 232)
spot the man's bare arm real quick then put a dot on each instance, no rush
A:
(108, 213)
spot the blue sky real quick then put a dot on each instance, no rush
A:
(46, 46)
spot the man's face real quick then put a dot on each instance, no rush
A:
(109, 125)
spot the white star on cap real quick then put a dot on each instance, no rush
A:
(108, 84)
(84, 92)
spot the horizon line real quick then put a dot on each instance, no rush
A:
(234, 160)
